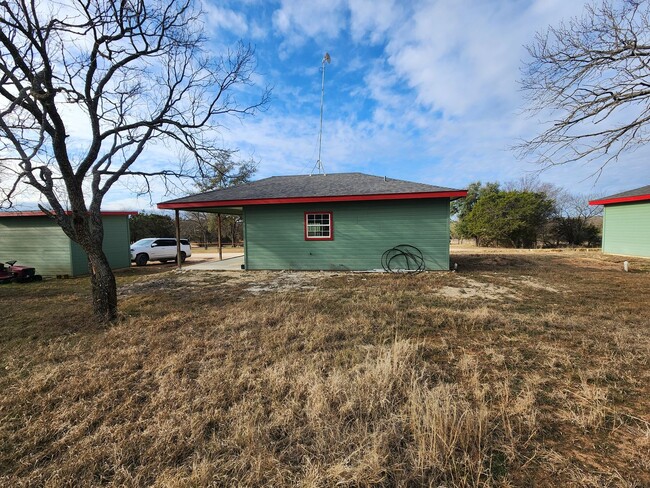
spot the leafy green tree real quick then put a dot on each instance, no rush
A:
(462, 207)
(453, 229)
(145, 225)
(512, 218)
(475, 190)
(225, 171)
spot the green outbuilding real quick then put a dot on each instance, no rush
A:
(34, 239)
(626, 222)
(342, 221)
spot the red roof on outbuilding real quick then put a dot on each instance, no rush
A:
(38, 213)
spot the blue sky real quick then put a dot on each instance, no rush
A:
(424, 91)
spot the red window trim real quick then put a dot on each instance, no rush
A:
(313, 212)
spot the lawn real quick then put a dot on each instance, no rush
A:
(520, 369)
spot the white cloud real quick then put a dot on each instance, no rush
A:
(444, 91)
(223, 18)
(463, 56)
(297, 20)
(257, 31)
(371, 19)
(424, 90)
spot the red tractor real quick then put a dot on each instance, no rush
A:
(19, 274)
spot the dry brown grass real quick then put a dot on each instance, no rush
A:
(317, 379)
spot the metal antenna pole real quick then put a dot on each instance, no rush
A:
(319, 163)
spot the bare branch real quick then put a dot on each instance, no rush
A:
(137, 73)
(592, 75)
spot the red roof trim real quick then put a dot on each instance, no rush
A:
(38, 213)
(338, 198)
(607, 201)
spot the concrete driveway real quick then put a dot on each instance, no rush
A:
(230, 262)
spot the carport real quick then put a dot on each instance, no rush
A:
(226, 210)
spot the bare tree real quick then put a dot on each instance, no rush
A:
(196, 226)
(225, 172)
(135, 72)
(593, 75)
(577, 205)
(576, 221)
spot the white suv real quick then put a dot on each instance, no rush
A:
(158, 249)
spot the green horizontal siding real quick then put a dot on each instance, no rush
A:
(37, 242)
(626, 229)
(116, 245)
(41, 243)
(274, 236)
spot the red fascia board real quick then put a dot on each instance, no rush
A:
(607, 201)
(338, 198)
(38, 213)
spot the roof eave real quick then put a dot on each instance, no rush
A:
(608, 201)
(175, 205)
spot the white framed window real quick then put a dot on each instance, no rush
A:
(319, 226)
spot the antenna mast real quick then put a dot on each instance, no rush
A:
(319, 164)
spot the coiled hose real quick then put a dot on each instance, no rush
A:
(403, 259)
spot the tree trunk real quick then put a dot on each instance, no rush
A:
(104, 289)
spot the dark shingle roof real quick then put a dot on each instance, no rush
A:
(306, 186)
(644, 190)
(637, 194)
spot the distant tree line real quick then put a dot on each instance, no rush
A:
(202, 228)
(525, 214)
(146, 225)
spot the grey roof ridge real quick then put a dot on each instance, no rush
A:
(643, 190)
(287, 191)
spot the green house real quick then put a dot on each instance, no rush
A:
(34, 239)
(343, 221)
(626, 222)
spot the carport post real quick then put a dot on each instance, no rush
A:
(178, 240)
(219, 236)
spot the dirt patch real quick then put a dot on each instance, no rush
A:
(286, 281)
(253, 282)
(172, 280)
(455, 286)
(530, 282)
(476, 289)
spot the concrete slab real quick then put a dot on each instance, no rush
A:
(231, 263)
